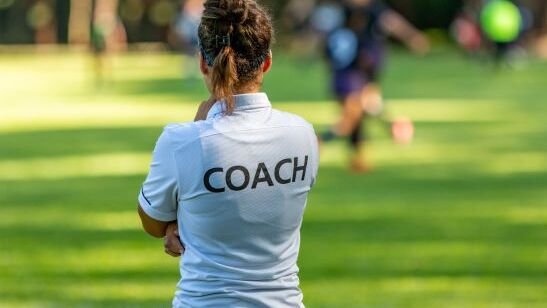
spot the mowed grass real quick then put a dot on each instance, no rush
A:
(457, 219)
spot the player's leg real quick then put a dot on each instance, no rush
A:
(348, 87)
(372, 106)
(372, 100)
(352, 112)
(351, 125)
(368, 100)
(359, 162)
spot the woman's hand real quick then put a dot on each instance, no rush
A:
(204, 108)
(171, 241)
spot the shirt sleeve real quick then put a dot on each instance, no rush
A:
(159, 193)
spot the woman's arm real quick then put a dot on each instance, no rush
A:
(169, 231)
(204, 109)
(153, 227)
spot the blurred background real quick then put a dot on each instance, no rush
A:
(457, 218)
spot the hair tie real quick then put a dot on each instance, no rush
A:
(208, 58)
(222, 41)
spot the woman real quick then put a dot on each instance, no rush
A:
(356, 54)
(236, 180)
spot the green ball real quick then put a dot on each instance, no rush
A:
(501, 21)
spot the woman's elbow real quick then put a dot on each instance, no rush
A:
(153, 231)
(154, 228)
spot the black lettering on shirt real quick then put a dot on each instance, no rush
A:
(229, 178)
(299, 168)
(277, 173)
(207, 180)
(262, 175)
(266, 178)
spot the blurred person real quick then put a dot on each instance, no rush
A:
(541, 42)
(234, 183)
(494, 29)
(504, 24)
(107, 36)
(41, 17)
(187, 24)
(466, 27)
(541, 46)
(296, 14)
(185, 30)
(356, 52)
(308, 22)
(327, 16)
(295, 19)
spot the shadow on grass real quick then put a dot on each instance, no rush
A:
(406, 186)
(406, 208)
(61, 301)
(478, 137)
(399, 228)
(305, 79)
(192, 89)
(398, 225)
(44, 144)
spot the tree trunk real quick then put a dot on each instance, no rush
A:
(79, 22)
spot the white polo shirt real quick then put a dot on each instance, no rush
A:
(238, 186)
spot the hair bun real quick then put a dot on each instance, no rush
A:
(234, 39)
(237, 11)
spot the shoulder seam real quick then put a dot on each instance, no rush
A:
(172, 153)
(253, 129)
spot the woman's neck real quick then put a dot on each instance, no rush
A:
(248, 89)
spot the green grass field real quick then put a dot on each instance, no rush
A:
(458, 219)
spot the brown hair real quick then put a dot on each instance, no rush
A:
(235, 39)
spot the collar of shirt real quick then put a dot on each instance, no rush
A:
(242, 102)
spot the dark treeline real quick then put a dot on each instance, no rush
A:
(21, 20)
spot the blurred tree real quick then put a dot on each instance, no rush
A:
(41, 18)
(62, 15)
(13, 26)
(80, 22)
(419, 12)
(108, 32)
(149, 20)
(543, 18)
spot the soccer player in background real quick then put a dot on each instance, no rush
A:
(108, 35)
(356, 51)
(184, 35)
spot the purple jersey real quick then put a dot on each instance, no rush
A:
(356, 51)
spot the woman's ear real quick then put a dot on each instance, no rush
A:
(267, 63)
(203, 65)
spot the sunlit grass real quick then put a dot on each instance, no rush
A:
(66, 167)
(110, 111)
(457, 219)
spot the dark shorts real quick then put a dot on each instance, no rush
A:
(347, 82)
(354, 79)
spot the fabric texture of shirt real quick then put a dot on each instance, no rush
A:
(237, 185)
